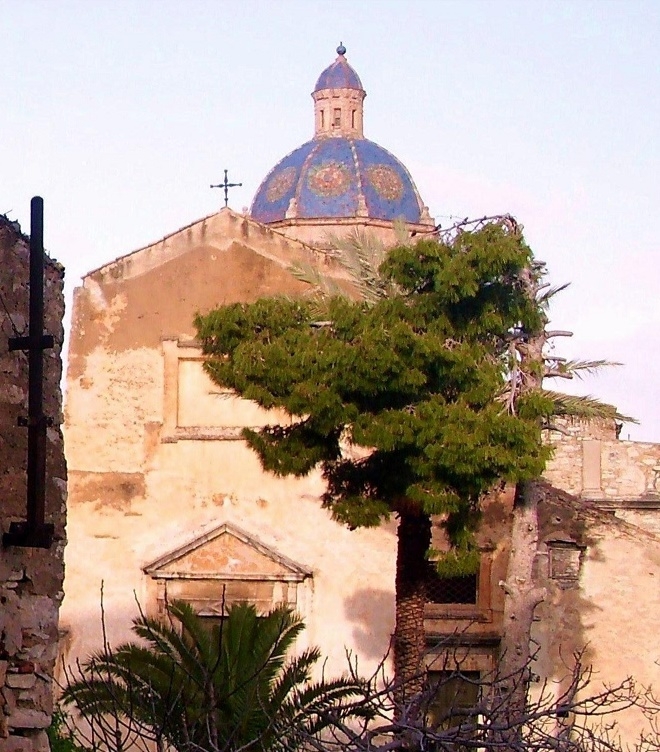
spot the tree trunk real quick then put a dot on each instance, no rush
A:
(413, 541)
(521, 595)
(522, 598)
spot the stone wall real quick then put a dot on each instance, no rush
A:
(30, 578)
(590, 462)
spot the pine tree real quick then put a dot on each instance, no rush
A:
(415, 377)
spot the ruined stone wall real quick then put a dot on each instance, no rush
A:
(605, 469)
(30, 579)
(589, 461)
(603, 429)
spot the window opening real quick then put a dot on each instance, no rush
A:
(322, 119)
(212, 623)
(461, 589)
(352, 118)
(337, 117)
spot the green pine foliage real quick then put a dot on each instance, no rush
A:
(415, 378)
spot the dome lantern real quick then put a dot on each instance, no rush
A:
(338, 100)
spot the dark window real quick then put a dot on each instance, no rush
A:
(461, 589)
(337, 118)
(322, 119)
(212, 623)
(352, 118)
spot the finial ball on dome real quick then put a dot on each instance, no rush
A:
(341, 50)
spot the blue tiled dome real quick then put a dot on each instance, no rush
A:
(339, 173)
(338, 177)
(339, 75)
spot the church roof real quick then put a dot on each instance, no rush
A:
(338, 177)
(339, 75)
(339, 173)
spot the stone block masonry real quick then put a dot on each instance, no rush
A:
(30, 578)
(593, 464)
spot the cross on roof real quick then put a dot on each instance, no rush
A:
(226, 185)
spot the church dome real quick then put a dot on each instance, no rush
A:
(339, 75)
(337, 177)
(339, 174)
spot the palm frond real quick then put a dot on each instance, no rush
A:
(361, 254)
(401, 233)
(228, 688)
(322, 285)
(295, 673)
(578, 368)
(585, 407)
(544, 297)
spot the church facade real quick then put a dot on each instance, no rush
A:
(166, 500)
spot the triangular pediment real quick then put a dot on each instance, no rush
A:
(216, 233)
(226, 553)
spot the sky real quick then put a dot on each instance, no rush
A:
(121, 114)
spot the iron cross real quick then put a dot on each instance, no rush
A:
(226, 185)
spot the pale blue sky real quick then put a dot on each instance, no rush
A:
(120, 114)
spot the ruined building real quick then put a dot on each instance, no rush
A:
(165, 500)
(30, 578)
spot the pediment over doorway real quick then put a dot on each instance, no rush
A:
(226, 553)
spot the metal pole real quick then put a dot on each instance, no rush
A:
(36, 460)
(34, 532)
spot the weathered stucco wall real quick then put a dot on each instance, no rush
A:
(599, 553)
(155, 453)
(596, 569)
(30, 579)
